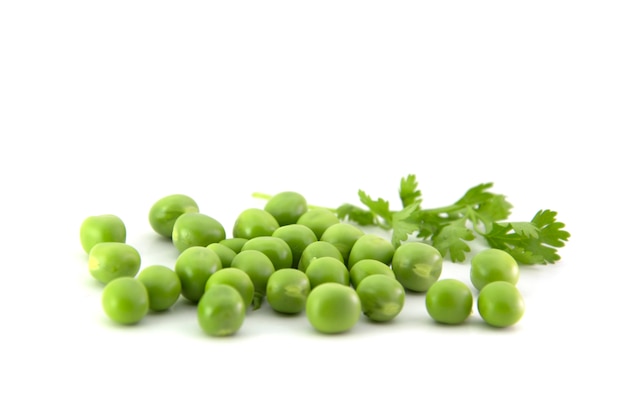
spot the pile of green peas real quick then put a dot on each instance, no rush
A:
(299, 259)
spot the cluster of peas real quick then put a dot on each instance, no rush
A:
(298, 259)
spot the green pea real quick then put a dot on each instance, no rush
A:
(382, 298)
(366, 267)
(343, 236)
(371, 246)
(417, 265)
(449, 301)
(318, 220)
(111, 260)
(101, 229)
(254, 222)
(221, 311)
(287, 290)
(298, 237)
(234, 243)
(316, 250)
(236, 278)
(225, 254)
(287, 207)
(125, 300)
(327, 269)
(163, 286)
(257, 265)
(333, 308)
(275, 248)
(196, 229)
(194, 266)
(492, 265)
(500, 304)
(164, 212)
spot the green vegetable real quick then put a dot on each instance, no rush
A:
(366, 267)
(493, 265)
(381, 298)
(111, 260)
(254, 222)
(500, 304)
(449, 301)
(343, 236)
(225, 253)
(194, 266)
(259, 268)
(371, 246)
(164, 212)
(125, 300)
(287, 207)
(287, 291)
(316, 250)
(298, 237)
(318, 220)
(101, 229)
(275, 248)
(417, 265)
(234, 243)
(163, 286)
(236, 278)
(196, 229)
(327, 269)
(333, 308)
(221, 311)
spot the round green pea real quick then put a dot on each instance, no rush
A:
(298, 237)
(316, 250)
(371, 246)
(101, 229)
(236, 278)
(196, 229)
(500, 304)
(254, 222)
(287, 291)
(287, 207)
(327, 269)
(163, 286)
(257, 265)
(111, 260)
(417, 265)
(333, 308)
(343, 236)
(125, 300)
(194, 266)
(366, 267)
(275, 248)
(449, 301)
(318, 220)
(164, 212)
(225, 254)
(221, 311)
(234, 243)
(493, 265)
(382, 298)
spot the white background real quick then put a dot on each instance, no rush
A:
(107, 106)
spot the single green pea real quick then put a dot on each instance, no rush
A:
(318, 220)
(101, 229)
(417, 265)
(343, 236)
(333, 308)
(125, 300)
(298, 237)
(194, 266)
(236, 278)
(111, 260)
(366, 267)
(164, 212)
(382, 298)
(449, 301)
(316, 250)
(234, 243)
(287, 207)
(225, 254)
(257, 265)
(275, 248)
(287, 290)
(254, 222)
(500, 304)
(163, 286)
(196, 229)
(221, 311)
(371, 246)
(327, 269)
(493, 265)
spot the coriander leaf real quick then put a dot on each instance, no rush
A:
(451, 240)
(409, 193)
(379, 208)
(403, 224)
(494, 209)
(355, 214)
(476, 195)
